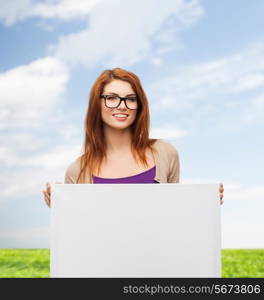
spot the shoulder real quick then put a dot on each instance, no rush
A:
(169, 160)
(72, 171)
(164, 147)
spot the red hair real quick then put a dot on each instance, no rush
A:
(94, 147)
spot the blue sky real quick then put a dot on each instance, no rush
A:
(201, 64)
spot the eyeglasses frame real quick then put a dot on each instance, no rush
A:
(120, 100)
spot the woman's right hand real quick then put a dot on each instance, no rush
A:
(47, 193)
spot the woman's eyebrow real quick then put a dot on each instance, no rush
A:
(118, 95)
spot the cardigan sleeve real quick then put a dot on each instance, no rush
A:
(71, 173)
(174, 173)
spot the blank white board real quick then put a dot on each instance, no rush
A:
(135, 230)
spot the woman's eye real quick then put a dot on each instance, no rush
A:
(110, 97)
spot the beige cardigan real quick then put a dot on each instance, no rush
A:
(166, 161)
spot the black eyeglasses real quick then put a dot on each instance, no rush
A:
(113, 101)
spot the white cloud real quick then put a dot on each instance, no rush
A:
(36, 237)
(64, 9)
(52, 158)
(243, 235)
(200, 180)
(31, 119)
(27, 174)
(29, 182)
(104, 41)
(13, 11)
(249, 81)
(30, 92)
(156, 61)
(194, 86)
(167, 132)
(19, 10)
(254, 112)
(252, 194)
(121, 32)
(55, 158)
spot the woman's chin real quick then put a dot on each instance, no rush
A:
(117, 126)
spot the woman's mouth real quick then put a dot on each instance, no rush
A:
(120, 117)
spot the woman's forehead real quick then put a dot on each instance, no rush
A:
(118, 86)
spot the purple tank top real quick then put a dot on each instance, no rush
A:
(144, 177)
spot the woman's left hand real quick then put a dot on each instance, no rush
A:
(221, 193)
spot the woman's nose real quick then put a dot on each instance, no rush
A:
(122, 105)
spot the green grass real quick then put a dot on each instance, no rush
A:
(243, 263)
(26, 263)
(32, 263)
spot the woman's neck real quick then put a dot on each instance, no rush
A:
(117, 140)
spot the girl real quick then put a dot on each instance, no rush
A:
(117, 147)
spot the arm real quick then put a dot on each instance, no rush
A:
(174, 173)
(71, 173)
(70, 177)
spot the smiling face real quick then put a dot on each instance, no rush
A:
(122, 89)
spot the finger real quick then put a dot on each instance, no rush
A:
(221, 189)
(46, 193)
(46, 197)
(47, 201)
(48, 188)
(58, 182)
